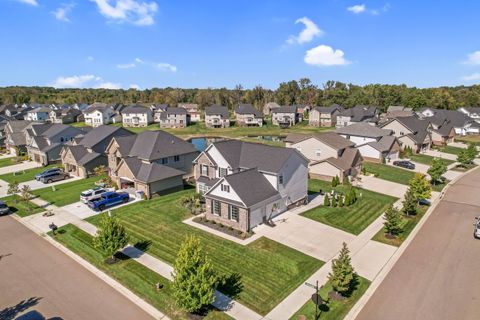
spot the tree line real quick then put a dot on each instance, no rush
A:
(301, 92)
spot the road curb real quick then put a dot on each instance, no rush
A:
(145, 306)
(353, 313)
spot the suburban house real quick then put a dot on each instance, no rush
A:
(329, 154)
(136, 116)
(99, 114)
(247, 115)
(395, 112)
(157, 110)
(324, 116)
(245, 184)
(82, 156)
(64, 116)
(357, 114)
(154, 162)
(216, 117)
(45, 141)
(286, 116)
(15, 136)
(472, 112)
(192, 111)
(375, 144)
(40, 114)
(444, 120)
(269, 107)
(174, 118)
(411, 132)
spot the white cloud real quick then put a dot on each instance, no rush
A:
(134, 86)
(61, 12)
(473, 77)
(160, 66)
(108, 85)
(473, 58)
(310, 31)
(90, 58)
(133, 11)
(84, 81)
(356, 9)
(126, 65)
(166, 67)
(30, 2)
(325, 56)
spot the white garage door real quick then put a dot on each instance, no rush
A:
(256, 217)
(393, 155)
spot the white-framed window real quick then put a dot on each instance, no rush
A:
(222, 172)
(202, 188)
(225, 188)
(204, 170)
(216, 207)
(233, 213)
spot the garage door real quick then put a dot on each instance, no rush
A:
(393, 155)
(256, 217)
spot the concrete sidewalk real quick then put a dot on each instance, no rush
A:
(19, 167)
(382, 186)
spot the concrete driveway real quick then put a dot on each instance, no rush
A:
(419, 167)
(34, 184)
(382, 186)
(83, 211)
(20, 167)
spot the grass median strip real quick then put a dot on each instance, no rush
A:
(20, 207)
(133, 275)
(25, 175)
(355, 218)
(8, 162)
(263, 273)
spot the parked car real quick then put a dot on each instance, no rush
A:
(424, 202)
(404, 164)
(54, 176)
(476, 231)
(46, 172)
(4, 209)
(93, 194)
(109, 199)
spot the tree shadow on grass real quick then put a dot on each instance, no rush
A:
(231, 285)
(143, 245)
(9, 313)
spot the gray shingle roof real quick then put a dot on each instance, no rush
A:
(359, 113)
(81, 155)
(176, 111)
(150, 172)
(136, 109)
(285, 109)
(347, 160)
(248, 109)
(100, 133)
(217, 110)
(417, 126)
(329, 138)
(363, 129)
(384, 144)
(330, 109)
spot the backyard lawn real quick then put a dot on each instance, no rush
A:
(262, 273)
(66, 193)
(8, 162)
(449, 149)
(130, 273)
(426, 159)
(467, 139)
(26, 175)
(20, 207)
(408, 225)
(355, 218)
(333, 309)
(389, 173)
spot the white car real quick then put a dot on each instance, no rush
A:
(93, 194)
(476, 231)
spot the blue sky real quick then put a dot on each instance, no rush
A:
(159, 43)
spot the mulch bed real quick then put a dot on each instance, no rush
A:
(222, 228)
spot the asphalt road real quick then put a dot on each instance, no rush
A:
(438, 276)
(34, 275)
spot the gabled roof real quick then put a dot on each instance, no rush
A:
(285, 109)
(136, 109)
(217, 110)
(174, 110)
(81, 155)
(150, 172)
(41, 109)
(347, 160)
(248, 109)
(98, 134)
(160, 107)
(329, 110)
(363, 129)
(188, 106)
(331, 139)
(97, 107)
(384, 144)
(18, 125)
(359, 113)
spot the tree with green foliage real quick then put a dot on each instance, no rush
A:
(25, 192)
(409, 203)
(334, 201)
(100, 170)
(346, 181)
(326, 201)
(472, 151)
(194, 279)
(393, 221)
(340, 200)
(342, 274)
(352, 196)
(346, 200)
(420, 187)
(437, 170)
(334, 182)
(13, 189)
(464, 158)
(111, 236)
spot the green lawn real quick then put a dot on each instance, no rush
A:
(450, 149)
(66, 193)
(8, 162)
(409, 223)
(355, 218)
(263, 273)
(20, 207)
(464, 168)
(426, 159)
(25, 175)
(333, 309)
(439, 186)
(130, 273)
(389, 173)
(469, 139)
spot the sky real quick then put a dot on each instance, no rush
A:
(220, 43)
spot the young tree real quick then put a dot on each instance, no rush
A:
(342, 273)
(420, 187)
(472, 151)
(326, 201)
(334, 182)
(194, 280)
(346, 200)
(346, 180)
(111, 236)
(334, 201)
(100, 170)
(340, 200)
(464, 158)
(25, 193)
(409, 203)
(437, 169)
(393, 221)
(13, 189)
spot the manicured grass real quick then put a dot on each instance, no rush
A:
(464, 168)
(409, 223)
(20, 207)
(450, 149)
(439, 186)
(78, 124)
(265, 271)
(26, 175)
(130, 273)
(8, 162)
(390, 173)
(355, 218)
(333, 309)
(468, 139)
(66, 193)
(426, 159)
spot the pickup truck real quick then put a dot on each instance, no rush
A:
(108, 199)
(93, 194)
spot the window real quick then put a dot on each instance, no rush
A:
(233, 213)
(204, 170)
(225, 188)
(176, 158)
(280, 179)
(222, 172)
(164, 160)
(318, 153)
(216, 207)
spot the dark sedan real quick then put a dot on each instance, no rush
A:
(404, 164)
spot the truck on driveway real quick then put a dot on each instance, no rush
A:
(109, 199)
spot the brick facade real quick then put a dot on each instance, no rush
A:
(242, 223)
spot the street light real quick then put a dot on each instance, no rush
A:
(316, 297)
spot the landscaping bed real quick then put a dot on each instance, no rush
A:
(333, 309)
(25, 175)
(20, 207)
(354, 218)
(66, 193)
(136, 277)
(222, 228)
(389, 173)
(265, 271)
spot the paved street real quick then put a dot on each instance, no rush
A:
(437, 277)
(56, 285)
